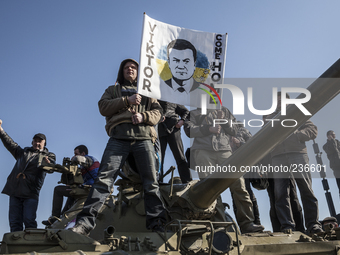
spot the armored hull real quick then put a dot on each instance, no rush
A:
(192, 227)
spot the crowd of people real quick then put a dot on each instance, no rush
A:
(143, 127)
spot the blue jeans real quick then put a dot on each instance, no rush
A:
(22, 211)
(282, 192)
(114, 156)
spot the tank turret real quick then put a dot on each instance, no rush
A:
(192, 227)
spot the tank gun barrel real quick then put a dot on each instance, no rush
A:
(322, 90)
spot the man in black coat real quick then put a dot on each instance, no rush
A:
(25, 181)
(169, 132)
(332, 148)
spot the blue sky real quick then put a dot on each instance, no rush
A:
(58, 57)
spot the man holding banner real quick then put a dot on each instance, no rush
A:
(130, 120)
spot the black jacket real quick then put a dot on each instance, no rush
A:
(172, 113)
(332, 148)
(296, 142)
(26, 179)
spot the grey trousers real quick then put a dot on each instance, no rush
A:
(282, 192)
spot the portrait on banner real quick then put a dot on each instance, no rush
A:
(179, 65)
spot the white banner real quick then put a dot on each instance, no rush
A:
(179, 65)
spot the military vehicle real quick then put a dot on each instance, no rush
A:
(120, 226)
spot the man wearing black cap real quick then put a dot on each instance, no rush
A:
(25, 181)
(130, 120)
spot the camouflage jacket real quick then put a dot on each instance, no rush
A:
(197, 127)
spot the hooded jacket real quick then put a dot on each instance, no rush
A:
(26, 179)
(115, 107)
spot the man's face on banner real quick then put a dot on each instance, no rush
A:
(181, 64)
